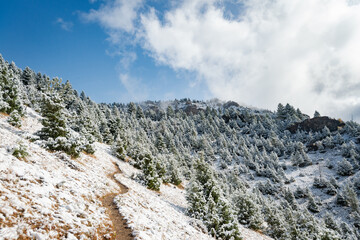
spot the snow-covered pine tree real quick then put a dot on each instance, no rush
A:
(10, 96)
(228, 225)
(316, 114)
(119, 147)
(55, 133)
(345, 168)
(151, 176)
(54, 118)
(15, 119)
(312, 205)
(247, 210)
(196, 200)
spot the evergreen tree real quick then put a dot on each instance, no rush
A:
(290, 198)
(170, 112)
(228, 226)
(119, 148)
(281, 111)
(300, 158)
(55, 133)
(312, 205)
(139, 112)
(107, 137)
(330, 222)
(15, 119)
(316, 114)
(196, 200)
(247, 211)
(277, 225)
(132, 108)
(152, 180)
(351, 198)
(54, 118)
(10, 93)
(174, 173)
(345, 168)
(160, 143)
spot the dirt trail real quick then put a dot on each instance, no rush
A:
(120, 228)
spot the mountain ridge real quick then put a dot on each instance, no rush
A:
(240, 165)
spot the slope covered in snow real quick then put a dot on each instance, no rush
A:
(161, 215)
(48, 195)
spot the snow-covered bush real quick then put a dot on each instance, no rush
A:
(119, 148)
(151, 176)
(313, 205)
(345, 168)
(20, 151)
(348, 149)
(15, 119)
(301, 193)
(320, 182)
(300, 158)
(248, 211)
(62, 144)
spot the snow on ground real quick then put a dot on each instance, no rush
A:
(160, 215)
(32, 123)
(48, 195)
(153, 215)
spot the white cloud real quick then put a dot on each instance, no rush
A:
(117, 15)
(67, 26)
(304, 52)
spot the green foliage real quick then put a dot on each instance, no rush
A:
(119, 148)
(20, 152)
(15, 119)
(206, 202)
(241, 143)
(89, 149)
(54, 119)
(312, 205)
(152, 180)
(9, 93)
(69, 145)
(247, 210)
(345, 168)
(55, 133)
(175, 177)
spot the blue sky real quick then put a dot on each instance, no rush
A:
(255, 52)
(52, 38)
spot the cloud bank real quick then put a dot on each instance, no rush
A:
(305, 52)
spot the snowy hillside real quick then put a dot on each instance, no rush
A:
(190, 167)
(48, 195)
(160, 215)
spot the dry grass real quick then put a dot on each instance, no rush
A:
(181, 186)
(90, 155)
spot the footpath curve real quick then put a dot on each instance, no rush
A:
(120, 228)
